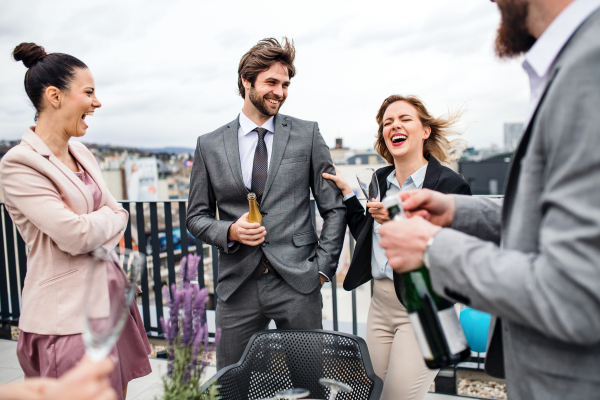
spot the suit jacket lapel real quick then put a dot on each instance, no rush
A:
(382, 178)
(232, 150)
(515, 165)
(432, 175)
(280, 140)
(38, 145)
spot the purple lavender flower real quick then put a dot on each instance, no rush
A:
(188, 333)
(174, 313)
(166, 328)
(198, 340)
(187, 325)
(182, 268)
(192, 270)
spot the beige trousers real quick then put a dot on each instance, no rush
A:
(393, 347)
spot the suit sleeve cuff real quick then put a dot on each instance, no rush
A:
(326, 277)
(348, 196)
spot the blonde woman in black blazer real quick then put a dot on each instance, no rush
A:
(414, 143)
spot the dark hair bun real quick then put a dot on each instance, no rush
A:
(29, 53)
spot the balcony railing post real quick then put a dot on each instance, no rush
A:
(12, 266)
(200, 253)
(215, 269)
(127, 236)
(183, 228)
(334, 303)
(5, 311)
(170, 245)
(22, 253)
(354, 314)
(139, 213)
(156, 265)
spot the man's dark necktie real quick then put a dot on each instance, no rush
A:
(261, 165)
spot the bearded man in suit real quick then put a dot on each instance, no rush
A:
(533, 262)
(271, 272)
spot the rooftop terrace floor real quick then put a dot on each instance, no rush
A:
(145, 388)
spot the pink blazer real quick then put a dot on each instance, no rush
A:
(53, 211)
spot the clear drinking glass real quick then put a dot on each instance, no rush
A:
(296, 393)
(334, 387)
(106, 313)
(367, 179)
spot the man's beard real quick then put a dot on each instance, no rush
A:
(261, 103)
(513, 37)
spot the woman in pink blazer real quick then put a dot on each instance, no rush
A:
(55, 194)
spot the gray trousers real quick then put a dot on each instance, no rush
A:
(252, 307)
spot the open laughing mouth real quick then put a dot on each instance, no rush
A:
(91, 113)
(398, 139)
(273, 102)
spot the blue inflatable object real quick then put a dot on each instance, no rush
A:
(476, 325)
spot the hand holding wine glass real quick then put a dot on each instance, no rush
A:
(367, 179)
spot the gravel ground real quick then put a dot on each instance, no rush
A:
(157, 347)
(477, 388)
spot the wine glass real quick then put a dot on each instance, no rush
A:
(111, 286)
(295, 393)
(334, 387)
(367, 179)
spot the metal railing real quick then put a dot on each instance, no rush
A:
(13, 260)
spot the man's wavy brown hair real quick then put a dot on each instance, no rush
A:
(262, 56)
(437, 144)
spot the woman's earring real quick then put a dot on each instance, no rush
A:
(57, 105)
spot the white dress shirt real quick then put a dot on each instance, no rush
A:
(540, 58)
(247, 140)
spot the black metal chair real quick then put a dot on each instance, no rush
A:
(276, 360)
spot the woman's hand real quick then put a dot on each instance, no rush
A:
(339, 180)
(378, 211)
(86, 381)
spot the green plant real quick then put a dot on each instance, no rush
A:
(186, 333)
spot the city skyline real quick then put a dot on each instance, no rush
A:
(168, 73)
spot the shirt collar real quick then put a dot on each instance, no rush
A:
(418, 177)
(542, 54)
(248, 126)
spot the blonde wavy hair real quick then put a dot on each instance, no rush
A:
(437, 144)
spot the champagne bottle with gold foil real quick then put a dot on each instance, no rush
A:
(253, 214)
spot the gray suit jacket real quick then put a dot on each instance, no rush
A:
(299, 156)
(543, 281)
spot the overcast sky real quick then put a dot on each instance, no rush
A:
(166, 71)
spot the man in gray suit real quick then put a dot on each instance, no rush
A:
(271, 272)
(534, 262)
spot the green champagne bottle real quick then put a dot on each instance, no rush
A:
(434, 321)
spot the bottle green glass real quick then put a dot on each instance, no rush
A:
(434, 321)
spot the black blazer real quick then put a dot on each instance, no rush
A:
(437, 177)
